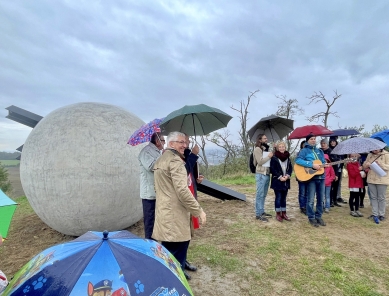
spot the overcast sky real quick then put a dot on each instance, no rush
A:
(152, 57)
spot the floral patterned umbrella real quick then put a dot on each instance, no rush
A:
(358, 145)
(144, 133)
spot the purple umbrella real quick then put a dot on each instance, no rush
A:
(144, 133)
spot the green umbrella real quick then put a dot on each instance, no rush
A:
(195, 120)
(7, 209)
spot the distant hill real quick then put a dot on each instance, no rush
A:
(9, 155)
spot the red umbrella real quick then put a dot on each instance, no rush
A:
(303, 131)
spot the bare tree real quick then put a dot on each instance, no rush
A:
(243, 117)
(323, 116)
(288, 108)
(202, 155)
(221, 140)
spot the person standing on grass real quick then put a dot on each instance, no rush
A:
(316, 184)
(281, 170)
(191, 157)
(361, 201)
(174, 200)
(355, 184)
(262, 176)
(336, 188)
(329, 177)
(303, 190)
(377, 185)
(147, 158)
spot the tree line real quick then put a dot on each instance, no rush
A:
(9, 155)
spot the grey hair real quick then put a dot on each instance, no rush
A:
(173, 136)
(324, 141)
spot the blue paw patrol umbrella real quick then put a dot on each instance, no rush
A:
(116, 264)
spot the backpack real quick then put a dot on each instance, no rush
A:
(251, 163)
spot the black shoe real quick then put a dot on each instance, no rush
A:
(262, 218)
(190, 267)
(303, 211)
(337, 205)
(321, 222)
(332, 205)
(382, 218)
(266, 215)
(187, 276)
(362, 206)
(339, 199)
(313, 222)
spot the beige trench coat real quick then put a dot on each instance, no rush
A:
(174, 201)
(383, 162)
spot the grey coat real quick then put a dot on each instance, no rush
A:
(147, 158)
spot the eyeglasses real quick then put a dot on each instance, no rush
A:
(180, 142)
(162, 140)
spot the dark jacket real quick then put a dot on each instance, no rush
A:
(276, 172)
(191, 167)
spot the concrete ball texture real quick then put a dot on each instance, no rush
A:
(79, 173)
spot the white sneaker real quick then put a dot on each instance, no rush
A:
(354, 214)
(327, 210)
(359, 213)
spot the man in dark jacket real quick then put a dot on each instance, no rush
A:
(193, 178)
(310, 157)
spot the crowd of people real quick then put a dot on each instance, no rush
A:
(323, 188)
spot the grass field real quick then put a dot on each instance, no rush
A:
(239, 255)
(12, 162)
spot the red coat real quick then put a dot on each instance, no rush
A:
(329, 172)
(354, 176)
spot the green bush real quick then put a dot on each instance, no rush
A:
(5, 184)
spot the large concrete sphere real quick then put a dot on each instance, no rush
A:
(78, 172)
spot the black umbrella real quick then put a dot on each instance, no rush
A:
(274, 127)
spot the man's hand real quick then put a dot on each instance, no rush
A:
(203, 218)
(195, 149)
(200, 179)
(270, 155)
(316, 166)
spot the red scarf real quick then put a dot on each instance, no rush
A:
(282, 156)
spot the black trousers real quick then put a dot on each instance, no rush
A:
(148, 216)
(334, 191)
(354, 200)
(362, 196)
(178, 250)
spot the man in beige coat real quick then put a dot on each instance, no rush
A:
(174, 201)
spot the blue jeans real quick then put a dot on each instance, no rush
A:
(262, 188)
(303, 194)
(280, 201)
(328, 196)
(315, 186)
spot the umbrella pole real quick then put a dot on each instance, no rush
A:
(194, 129)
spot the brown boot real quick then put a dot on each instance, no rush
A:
(284, 216)
(279, 216)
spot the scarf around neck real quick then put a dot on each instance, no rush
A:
(282, 156)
